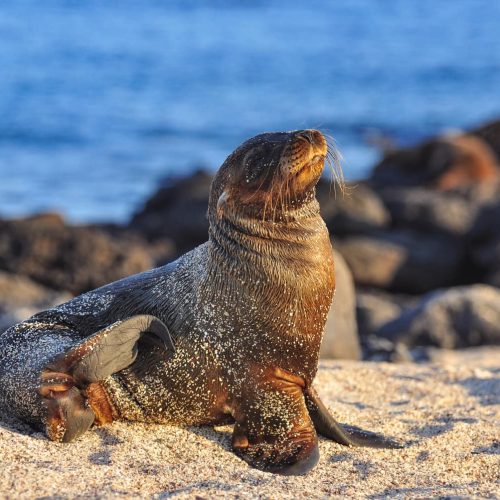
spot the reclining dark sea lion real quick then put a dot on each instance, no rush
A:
(245, 312)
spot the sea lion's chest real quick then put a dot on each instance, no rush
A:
(226, 324)
(273, 319)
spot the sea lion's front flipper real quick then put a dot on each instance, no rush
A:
(273, 430)
(347, 435)
(112, 349)
(70, 388)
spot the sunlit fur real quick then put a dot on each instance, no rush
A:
(246, 312)
(273, 174)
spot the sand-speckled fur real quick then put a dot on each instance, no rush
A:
(246, 311)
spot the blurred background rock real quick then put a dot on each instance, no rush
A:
(108, 110)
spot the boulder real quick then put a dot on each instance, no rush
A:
(358, 210)
(431, 211)
(490, 133)
(177, 211)
(486, 256)
(375, 308)
(487, 225)
(403, 261)
(20, 298)
(340, 340)
(484, 241)
(73, 258)
(454, 318)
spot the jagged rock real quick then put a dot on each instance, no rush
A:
(454, 318)
(467, 211)
(73, 258)
(402, 261)
(341, 340)
(177, 211)
(359, 210)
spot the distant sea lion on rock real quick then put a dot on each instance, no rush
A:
(444, 163)
(474, 161)
(230, 332)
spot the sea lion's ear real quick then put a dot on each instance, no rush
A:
(221, 202)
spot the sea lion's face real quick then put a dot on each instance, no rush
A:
(272, 171)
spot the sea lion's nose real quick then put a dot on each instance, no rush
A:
(313, 137)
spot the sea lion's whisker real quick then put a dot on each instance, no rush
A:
(334, 162)
(337, 178)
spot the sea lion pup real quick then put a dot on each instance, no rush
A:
(245, 312)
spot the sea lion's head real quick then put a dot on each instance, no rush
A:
(270, 174)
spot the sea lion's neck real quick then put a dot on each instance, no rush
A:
(289, 235)
(283, 271)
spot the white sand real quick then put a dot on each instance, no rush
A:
(450, 414)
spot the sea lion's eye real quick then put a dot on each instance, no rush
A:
(250, 167)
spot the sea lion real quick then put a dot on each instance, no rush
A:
(474, 162)
(445, 163)
(229, 332)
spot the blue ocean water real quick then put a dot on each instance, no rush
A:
(101, 99)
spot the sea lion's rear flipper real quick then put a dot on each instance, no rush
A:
(273, 430)
(70, 387)
(347, 435)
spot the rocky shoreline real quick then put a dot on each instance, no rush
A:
(417, 250)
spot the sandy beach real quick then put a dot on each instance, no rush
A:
(447, 413)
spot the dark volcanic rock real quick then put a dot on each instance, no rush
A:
(402, 261)
(178, 212)
(341, 340)
(359, 210)
(375, 308)
(486, 256)
(372, 312)
(431, 211)
(454, 318)
(484, 238)
(490, 133)
(66, 257)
